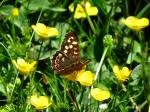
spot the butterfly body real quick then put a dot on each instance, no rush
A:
(68, 59)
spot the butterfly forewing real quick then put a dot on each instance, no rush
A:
(68, 59)
(70, 47)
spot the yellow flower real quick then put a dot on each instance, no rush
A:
(100, 94)
(73, 75)
(85, 78)
(135, 23)
(121, 74)
(44, 31)
(24, 67)
(40, 102)
(15, 11)
(149, 109)
(79, 11)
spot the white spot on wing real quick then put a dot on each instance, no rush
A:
(69, 40)
(60, 55)
(70, 46)
(75, 52)
(66, 47)
(65, 51)
(74, 43)
(63, 59)
(71, 37)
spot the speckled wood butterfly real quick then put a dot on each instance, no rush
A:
(67, 59)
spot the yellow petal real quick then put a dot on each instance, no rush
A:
(100, 94)
(23, 66)
(135, 23)
(44, 32)
(92, 11)
(121, 74)
(71, 7)
(71, 76)
(142, 23)
(116, 69)
(15, 12)
(52, 32)
(40, 102)
(125, 71)
(86, 78)
(80, 12)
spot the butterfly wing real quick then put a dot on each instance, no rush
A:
(70, 47)
(68, 58)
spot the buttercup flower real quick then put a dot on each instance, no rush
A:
(121, 74)
(135, 23)
(80, 12)
(73, 75)
(40, 102)
(100, 94)
(15, 11)
(24, 67)
(86, 78)
(44, 31)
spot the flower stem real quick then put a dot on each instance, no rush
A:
(30, 41)
(90, 21)
(100, 63)
(99, 67)
(6, 50)
(14, 86)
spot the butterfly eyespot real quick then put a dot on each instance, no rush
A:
(67, 60)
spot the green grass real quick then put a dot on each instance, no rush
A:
(129, 48)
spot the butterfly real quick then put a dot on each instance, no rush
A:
(68, 59)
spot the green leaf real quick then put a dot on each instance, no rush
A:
(6, 10)
(2, 89)
(37, 4)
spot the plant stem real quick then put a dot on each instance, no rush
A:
(6, 50)
(90, 21)
(2, 2)
(30, 41)
(99, 67)
(100, 63)
(14, 86)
